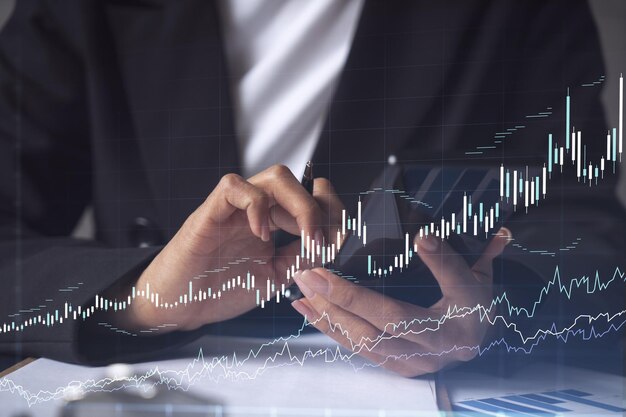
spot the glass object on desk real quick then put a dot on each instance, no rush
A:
(135, 398)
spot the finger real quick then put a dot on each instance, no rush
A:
(322, 324)
(448, 267)
(331, 206)
(404, 320)
(327, 198)
(234, 193)
(384, 313)
(281, 219)
(351, 331)
(484, 265)
(361, 337)
(280, 184)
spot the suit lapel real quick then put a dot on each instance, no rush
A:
(370, 118)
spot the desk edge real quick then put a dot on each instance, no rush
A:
(17, 366)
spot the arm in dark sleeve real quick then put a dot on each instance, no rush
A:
(46, 183)
(582, 225)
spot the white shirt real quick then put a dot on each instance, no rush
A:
(285, 57)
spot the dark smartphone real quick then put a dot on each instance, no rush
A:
(404, 199)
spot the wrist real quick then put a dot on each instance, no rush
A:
(139, 314)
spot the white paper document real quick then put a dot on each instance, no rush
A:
(304, 376)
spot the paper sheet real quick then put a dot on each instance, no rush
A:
(272, 383)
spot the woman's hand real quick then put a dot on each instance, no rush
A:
(399, 336)
(227, 236)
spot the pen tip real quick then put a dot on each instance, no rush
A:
(308, 170)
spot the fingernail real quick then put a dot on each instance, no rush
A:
(505, 233)
(265, 231)
(428, 244)
(296, 276)
(311, 283)
(302, 308)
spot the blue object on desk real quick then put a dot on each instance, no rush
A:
(544, 404)
(536, 403)
(565, 395)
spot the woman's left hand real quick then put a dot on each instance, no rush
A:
(400, 336)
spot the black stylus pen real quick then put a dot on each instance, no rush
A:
(282, 238)
(307, 177)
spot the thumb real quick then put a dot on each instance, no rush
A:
(494, 248)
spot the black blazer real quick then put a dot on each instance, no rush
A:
(126, 106)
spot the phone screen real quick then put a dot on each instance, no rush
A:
(406, 199)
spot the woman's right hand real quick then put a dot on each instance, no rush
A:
(231, 233)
